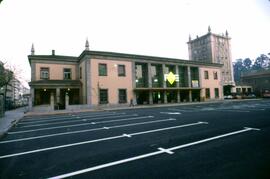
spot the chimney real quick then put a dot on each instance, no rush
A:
(53, 52)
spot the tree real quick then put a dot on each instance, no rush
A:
(261, 63)
(247, 64)
(238, 69)
(6, 75)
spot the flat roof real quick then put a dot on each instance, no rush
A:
(116, 55)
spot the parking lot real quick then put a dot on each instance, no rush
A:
(218, 140)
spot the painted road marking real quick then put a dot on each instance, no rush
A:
(126, 135)
(63, 122)
(180, 110)
(170, 113)
(231, 110)
(99, 140)
(160, 151)
(76, 125)
(128, 119)
(70, 116)
(167, 128)
(62, 119)
(87, 130)
(165, 150)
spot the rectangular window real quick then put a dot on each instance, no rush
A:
(80, 72)
(215, 75)
(102, 69)
(44, 73)
(67, 74)
(216, 93)
(122, 95)
(207, 93)
(206, 76)
(121, 70)
(103, 96)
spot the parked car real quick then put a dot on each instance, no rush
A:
(236, 96)
(249, 96)
(228, 97)
(266, 95)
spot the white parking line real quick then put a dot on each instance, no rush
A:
(180, 110)
(87, 130)
(173, 113)
(59, 119)
(63, 122)
(99, 140)
(76, 125)
(160, 151)
(231, 110)
(70, 116)
(128, 119)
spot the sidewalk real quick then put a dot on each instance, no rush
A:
(10, 119)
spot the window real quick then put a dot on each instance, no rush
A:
(44, 73)
(215, 75)
(103, 96)
(122, 95)
(121, 70)
(67, 74)
(216, 93)
(207, 93)
(80, 72)
(206, 76)
(102, 69)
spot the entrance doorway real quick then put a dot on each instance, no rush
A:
(142, 97)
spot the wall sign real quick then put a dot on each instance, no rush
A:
(171, 77)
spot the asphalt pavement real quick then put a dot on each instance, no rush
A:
(219, 140)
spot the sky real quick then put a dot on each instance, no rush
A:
(145, 27)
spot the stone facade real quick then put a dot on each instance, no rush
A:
(213, 48)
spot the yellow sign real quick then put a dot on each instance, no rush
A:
(171, 78)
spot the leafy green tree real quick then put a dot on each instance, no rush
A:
(6, 76)
(247, 64)
(261, 63)
(238, 68)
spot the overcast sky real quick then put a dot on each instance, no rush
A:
(146, 27)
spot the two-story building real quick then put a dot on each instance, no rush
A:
(96, 79)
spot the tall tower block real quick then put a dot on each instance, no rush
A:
(214, 48)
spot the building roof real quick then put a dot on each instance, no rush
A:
(144, 57)
(61, 58)
(208, 34)
(257, 74)
(52, 58)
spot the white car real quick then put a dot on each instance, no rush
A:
(228, 97)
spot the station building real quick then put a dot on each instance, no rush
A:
(105, 79)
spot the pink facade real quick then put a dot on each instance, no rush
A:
(56, 70)
(211, 83)
(112, 81)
